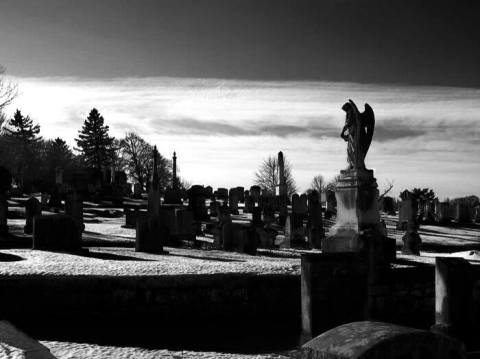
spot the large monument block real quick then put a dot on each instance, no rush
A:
(358, 228)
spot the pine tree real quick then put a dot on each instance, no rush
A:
(24, 141)
(94, 142)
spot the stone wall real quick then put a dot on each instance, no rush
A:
(205, 311)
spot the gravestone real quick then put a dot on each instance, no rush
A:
(186, 224)
(405, 213)
(55, 201)
(233, 199)
(453, 298)
(14, 344)
(282, 209)
(131, 217)
(74, 208)
(196, 202)
(239, 238)
(137, 190)
(213, 208)
(241, 194)
(388, 205)
(5, 185)
(375, 340)
(249, 204)
(476, 218)
(294, 231)
(331, 204)
(442, 212)
(33, 208)
(172, 196)
(462, 214)
(411, 239)
(57, 232)
(255, 192)
(222, 194)
(257, 216)
(151, 231)
(315, 223)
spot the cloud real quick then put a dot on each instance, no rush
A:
(221, 128)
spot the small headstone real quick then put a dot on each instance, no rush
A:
(137, 190)
(213, 208)
(462, 214)
(222, 194)
(233, 199)
(255, 193)
(241, 194)
(331, 204)
(33, 208)
(249, 204)
(5, 184)
(388, 205)
(56, 232)
(315, 223)
(74, 208)
(16, 344)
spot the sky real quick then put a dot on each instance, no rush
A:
(227, 83)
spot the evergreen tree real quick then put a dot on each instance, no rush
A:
(94, 143)
(24, 142)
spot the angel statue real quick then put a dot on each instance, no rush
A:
(358, 132)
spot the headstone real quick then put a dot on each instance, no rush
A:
(294, 231)
(388, 205)
(55, 201)
(186, 225)
(241, 194)
(137, 190)
(257, 216)
(442, 212)
(255, 192)
(131, 217)
(74, 208)
(213, 208)
(209, 192)
(172, 196)
(5, 185)
(303, 205)
(331, 204)
(151, 231)
(16, 344)
(249, 204)
(239, 238)
(315, 223)
(405, 213)
(462, 214)
(222, 194)
(372, 340)
(453, 297)
(282, 209)
(476, 218)
(33, 208)
(57, 232)
(233, 199)
(196, 203)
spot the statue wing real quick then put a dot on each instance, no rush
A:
(368, 120)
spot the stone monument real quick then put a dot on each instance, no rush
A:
(358, 227)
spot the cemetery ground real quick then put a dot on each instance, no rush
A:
(195, 301)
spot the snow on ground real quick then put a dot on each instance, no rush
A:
(66, 350)
(126, 262)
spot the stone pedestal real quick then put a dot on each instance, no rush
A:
(358, 228)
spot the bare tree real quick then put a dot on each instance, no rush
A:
(8, 90)
(331, 185)
(318, 184)
(267, 176)
(386, 190)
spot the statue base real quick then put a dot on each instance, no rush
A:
(358, 228)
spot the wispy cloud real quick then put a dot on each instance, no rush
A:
(213, 123)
